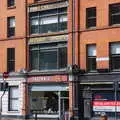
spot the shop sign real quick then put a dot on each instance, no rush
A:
(55, 78)
(50, 38)
(102, 59)
(106, 106)
(48, 6)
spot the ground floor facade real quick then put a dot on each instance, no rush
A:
(49, 96)
(100, 94)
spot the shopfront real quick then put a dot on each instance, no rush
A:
(100, 97)
(49, 99)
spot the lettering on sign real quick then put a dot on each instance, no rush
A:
(54, 78)
(48, 6)
(51, 38)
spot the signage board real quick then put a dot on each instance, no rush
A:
(53, 78)
(47, 6)
(48, 38)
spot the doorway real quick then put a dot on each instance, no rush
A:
(64, 106)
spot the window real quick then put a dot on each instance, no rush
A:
(48, 21)
(10, 3)
(91, 17)
(46, 102)
(10, 59)
(114, 14)
(115, 56)
(13, 98)
(91, 58)
(48, 56)
(11, 26)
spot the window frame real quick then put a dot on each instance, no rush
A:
(90, 57)
(10, 60)
(112, 56)
(91, 18)
(11, 30)
(55, 48)
(12, 98)
(111, 15)
(10, 4)
(49, 13)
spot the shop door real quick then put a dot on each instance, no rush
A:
(87, 109)
(64, 107)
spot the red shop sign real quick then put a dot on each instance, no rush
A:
(54, 78)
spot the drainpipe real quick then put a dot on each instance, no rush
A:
(75, 76)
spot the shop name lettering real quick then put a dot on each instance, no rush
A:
(49, 6)
(42, 78)
(37, 40)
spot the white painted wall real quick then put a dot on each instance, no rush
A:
(13, 82)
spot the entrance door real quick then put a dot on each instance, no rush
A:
(87, 109)
(64, 107)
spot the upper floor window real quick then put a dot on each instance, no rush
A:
(11, 26)
(10, 3)
(48, 21)
(91, 60)
(114, 14)
(115, 56)
(91, 17)
(48, 56)
(11, 59)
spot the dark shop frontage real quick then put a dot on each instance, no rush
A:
(99, 95)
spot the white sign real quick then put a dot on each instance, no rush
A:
(106, 106)
(102, 59)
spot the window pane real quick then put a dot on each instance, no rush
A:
(91, 50)
(49, 20)
(11, 53)
(13, 98)
(48, 60)
(45, 102)
(14, 92)
(49, 28)
(114, 11)
(91, 12)
(115, 61)
(10, 59)
(115, 8)
(12, 22)
(62, 57)
(115, 48)
(91, 22)
(35, 21)
(11, 66)
(63, 18)
(115, 19)
(11, 3)
(91, 64)
(34, 60)
(91, 17)
(14, 105)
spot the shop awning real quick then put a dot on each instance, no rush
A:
(49, 88)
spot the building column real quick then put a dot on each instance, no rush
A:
(73, 93)
(25, 107)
